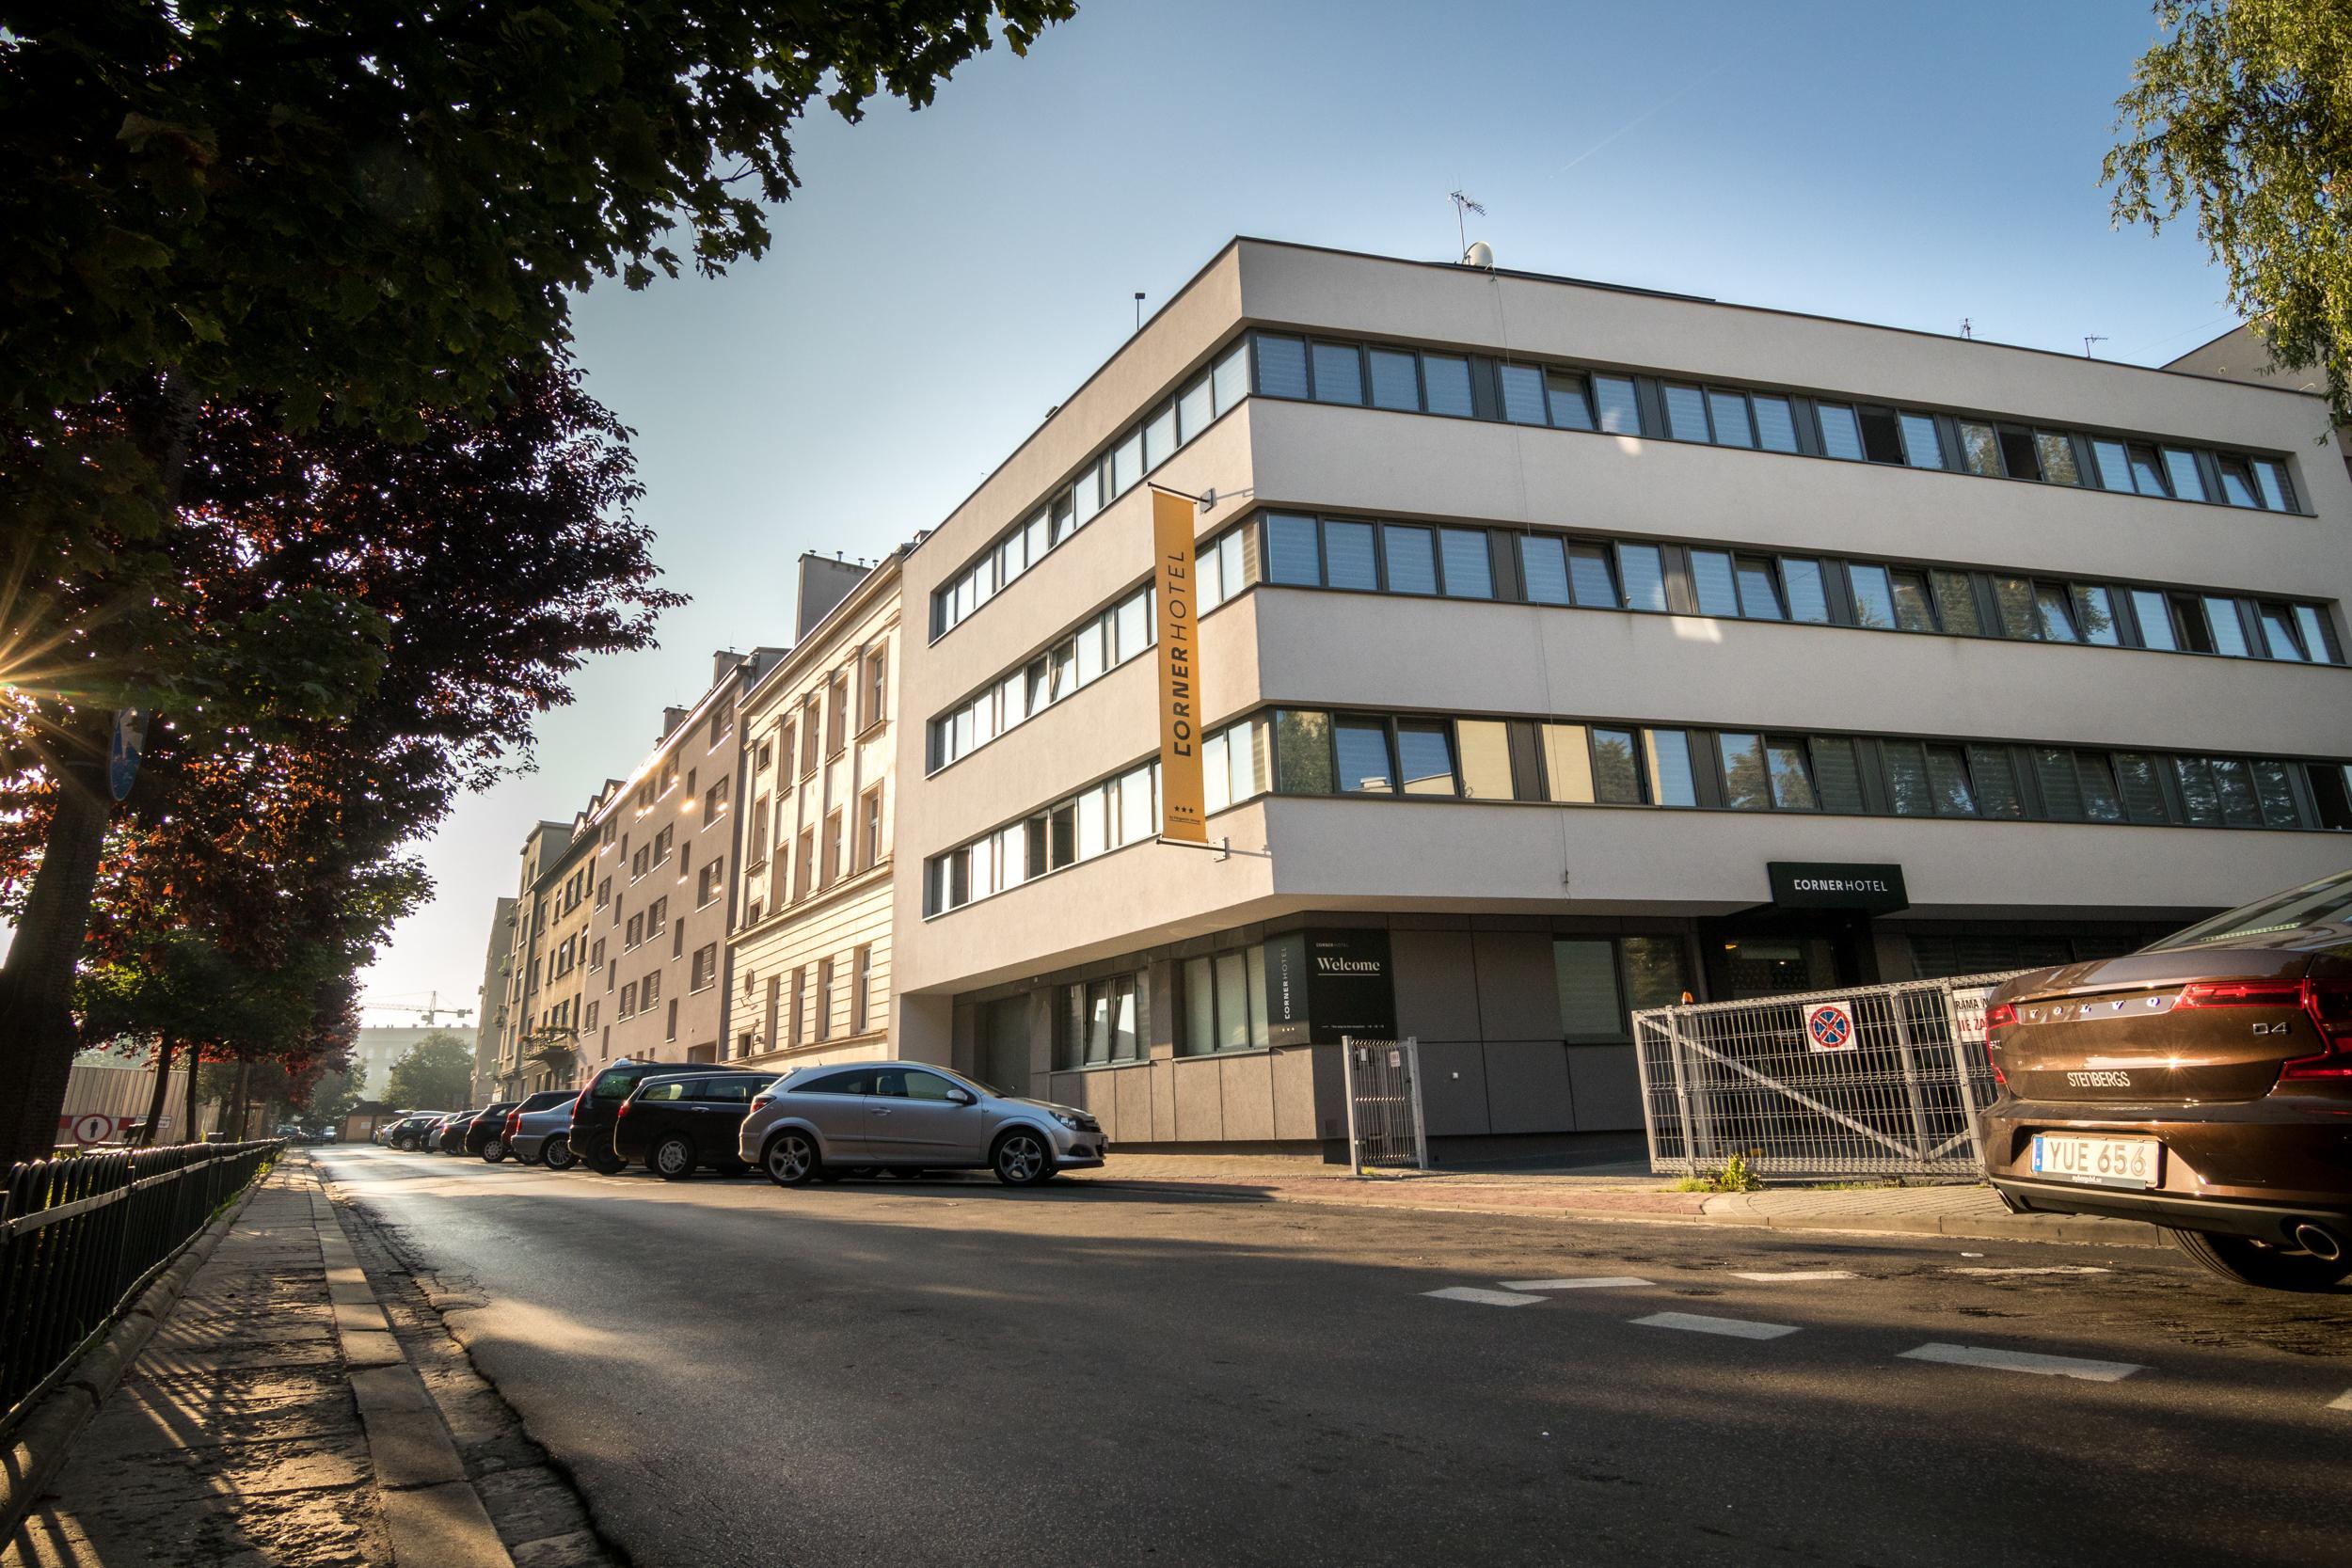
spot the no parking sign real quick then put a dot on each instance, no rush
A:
(1829, 1026)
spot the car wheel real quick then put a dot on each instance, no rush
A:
(605, 1165)
(1021, 1158)
(493, 1152)
(673, 1158)
(556, 1153)
(791, 1159)
(2249, 1263)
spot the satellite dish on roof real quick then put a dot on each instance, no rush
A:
(1480, 254)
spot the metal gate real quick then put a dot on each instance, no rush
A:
(1384, 1124)
(1863, 1081)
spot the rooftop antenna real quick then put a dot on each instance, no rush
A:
(1968, 332)
(1138, 309)
(1462, 203)
(2087, 342)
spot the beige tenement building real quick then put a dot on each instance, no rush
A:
(660, 877)
(1568, 647)
(812, 935)
(550, 1044)
(526, 952)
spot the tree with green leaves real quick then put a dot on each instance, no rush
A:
(2243, 111)
(434, 1075)
(361, 217)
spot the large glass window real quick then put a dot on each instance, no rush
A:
(1485, 759)
(1290, 553)
(1571, 408)
(1670, 767)
(1873, 594)
(1729, 412)
(2229, 632)
(1350, 560)
(1619, 408)
(1282, 367)
(1922, 446)
(1686, 413)
(1746, 784)
(1302, 750)
(2155, 615)
(1793, 785)
(1567, 764)
(1808, 599)
(1411, 559)
(1363, 757)
(2181, 467)
(1775, 422)
(1841, 432)
(1585, 970)
(1445, 382)
(1339, 373)
(1424, 754)
(1588, 564)
(1522, 394)
(1468, 569)
(1644, 572)
(1544, 568)
(1711, 580)
(1395, 380)
(1837, 774)
(1616, 777)
(1760, 592)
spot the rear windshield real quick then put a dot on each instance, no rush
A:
(616, 1084)
(2326, 902)
(543, 1100)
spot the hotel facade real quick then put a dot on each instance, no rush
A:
(1568, 649)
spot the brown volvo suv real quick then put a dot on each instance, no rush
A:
(2203, 1083)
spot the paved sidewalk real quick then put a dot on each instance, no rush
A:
(281, 1416)
(1617, 1192)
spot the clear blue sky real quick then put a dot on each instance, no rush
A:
(945, 278)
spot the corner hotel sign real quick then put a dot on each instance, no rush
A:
(1183, 814)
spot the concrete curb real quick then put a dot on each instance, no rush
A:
(433, 1515)
(2077, 1232)
(43, 1441)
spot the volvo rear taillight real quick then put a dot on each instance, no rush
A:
(2329, 1004)
(514, 1125)
(2241, 994)
(1998, 1016)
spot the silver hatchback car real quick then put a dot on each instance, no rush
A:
(541, 1129)
(823, 1123)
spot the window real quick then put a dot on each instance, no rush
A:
(1363, 758)
(1571, 406)
(661, 842)
(831, 870)
(1616, 779)
(1728, 412)
(1808, 599)
(1468, 571)
(1669, 768)
(1775, 422)
(1395, 380)
(2229, 632)
(1759, 594)
(1619, 407)
(1522, 394)
(1292, 554)
(1424, 753)
(1339, 373)
(670, 1031)
(649, 989)
(1644, 573)
(709, 882)
(1350, 559)
(1841, 432)
(877, 688)
(1224, 1004)
(1101, 1023)
(1956, 603)
(1588, 569)
(2180, 466)
(1922, 446)
(824, 999)
(1599, 980)
(1712, 579)
(861, 989)
(706, 968)
(799, 998)
(871, 827)
(1686, 413)
(628, 1000)
(635, 932)
(715, 802)
(1446, 386)
(1411, 561)
(1543, 568)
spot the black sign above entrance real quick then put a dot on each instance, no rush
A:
(1323, 987)
(1837, 885)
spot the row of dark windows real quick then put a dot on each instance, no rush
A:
(1114, 471)
(1562, 397)
(1467, 562)
(1698, 768)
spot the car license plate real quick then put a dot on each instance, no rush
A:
(2098, 1161)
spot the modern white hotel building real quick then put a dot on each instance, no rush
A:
(1569, 647)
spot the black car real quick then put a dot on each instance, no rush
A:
(483, 1126)
(675, 1123)
(452, 1134)
(598, 1108)
(408, 1133)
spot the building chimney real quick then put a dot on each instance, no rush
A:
(724, 663)
(823, 584)
(670, 718)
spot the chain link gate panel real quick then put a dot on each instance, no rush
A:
(1862, 1081)
(1384, 1122)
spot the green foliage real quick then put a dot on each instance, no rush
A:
(1737, 1175)
(434, 1075)
(2244, 112)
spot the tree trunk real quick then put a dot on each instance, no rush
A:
(160, 1101)
(37, 1035)
(237, 1131)
(196, 1062)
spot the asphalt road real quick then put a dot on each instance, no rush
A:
(945, 1372)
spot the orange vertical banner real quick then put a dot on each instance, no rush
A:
(1182, 803)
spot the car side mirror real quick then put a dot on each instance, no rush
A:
(960, 1097)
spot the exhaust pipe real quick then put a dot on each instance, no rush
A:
(2320, 1241)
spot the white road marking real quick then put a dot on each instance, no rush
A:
(2343, 1402)
(1796, 1273)
(1736, 1328)
(2062, 1268)
(2024, 1361)
(1484, 1297)
(1585, 1282)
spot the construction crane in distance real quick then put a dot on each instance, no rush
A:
(428, 1014)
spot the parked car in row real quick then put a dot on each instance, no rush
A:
(538, 1131)
(809, 1124)
(822, 1123)
(2204, 1085)
(415, 1132)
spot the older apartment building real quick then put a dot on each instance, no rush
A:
(659, 884)
(812, 938)
(490, 1009)
(526, 951)
(1568, 647)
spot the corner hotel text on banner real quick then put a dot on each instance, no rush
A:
(1182, 812)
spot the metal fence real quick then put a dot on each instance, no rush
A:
(1863, 1081)
(1384, 1120)
(81, 1237)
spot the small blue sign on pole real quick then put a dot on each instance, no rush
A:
(122, 758)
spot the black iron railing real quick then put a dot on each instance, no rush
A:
(80, 1238)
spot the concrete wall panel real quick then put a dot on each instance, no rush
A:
(1607, 1083)
(1527, 1086)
